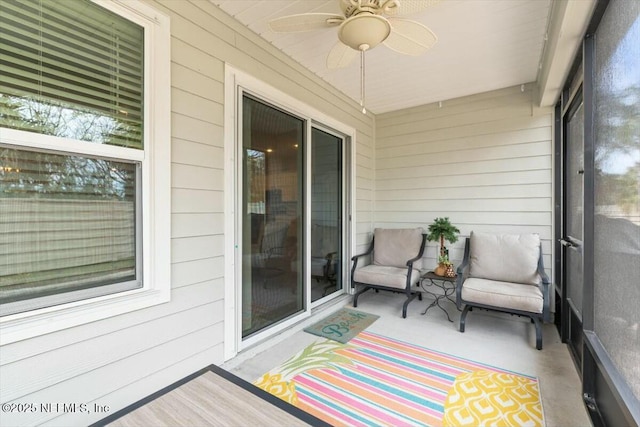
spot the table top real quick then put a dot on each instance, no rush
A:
(433, 276)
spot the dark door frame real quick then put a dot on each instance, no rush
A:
(606, 394)
(571, 325)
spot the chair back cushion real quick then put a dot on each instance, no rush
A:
(505, 257)
(393, 247)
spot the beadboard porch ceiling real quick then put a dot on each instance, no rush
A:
(482, 45)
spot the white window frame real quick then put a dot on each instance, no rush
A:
(155, 160)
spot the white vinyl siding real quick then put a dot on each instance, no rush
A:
(120, 360)
(485, 161)
(364, 191)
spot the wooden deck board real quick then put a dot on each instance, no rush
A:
(211, 400)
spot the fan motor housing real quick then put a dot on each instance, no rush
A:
(364, 29)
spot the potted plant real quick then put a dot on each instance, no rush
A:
(442, 230)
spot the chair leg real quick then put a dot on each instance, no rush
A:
(357, 294)
(410, 298)
(536, 321)
(463, 316)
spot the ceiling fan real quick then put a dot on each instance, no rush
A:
(364, 25)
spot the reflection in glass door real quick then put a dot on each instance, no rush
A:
(272, 201)
(616, 287)
(326, 214)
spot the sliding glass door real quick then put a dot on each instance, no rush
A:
(326, 214)
(290, 215)
(272, 201)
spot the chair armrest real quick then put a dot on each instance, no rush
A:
(420, 252)
(355, 261)
(541, 272)
(412, 260)
(355, 257)
(546, 302)
(330, 259)
(331, 255)
(462, 272)
(463, 269)
(465, 259)
(545, 289)
(459, 281)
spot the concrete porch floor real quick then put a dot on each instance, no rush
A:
(501, 340)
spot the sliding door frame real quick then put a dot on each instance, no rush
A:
(344, 211)
(236, 83)
(572, 315)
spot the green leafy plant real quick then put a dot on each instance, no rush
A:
(444, 260)
(442, 230)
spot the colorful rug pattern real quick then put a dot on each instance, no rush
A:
(377, 381)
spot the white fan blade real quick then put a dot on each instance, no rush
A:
(407, 7)
(340, 56)
(409, 37)
(305, 22)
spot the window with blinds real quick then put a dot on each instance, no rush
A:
(71, 69)
(70, 222)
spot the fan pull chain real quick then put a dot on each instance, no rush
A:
(362, 75)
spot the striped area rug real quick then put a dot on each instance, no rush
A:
(377, 381)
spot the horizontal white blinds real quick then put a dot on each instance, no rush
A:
(71, 69)
(66, 223)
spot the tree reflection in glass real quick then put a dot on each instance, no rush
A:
(617, 188)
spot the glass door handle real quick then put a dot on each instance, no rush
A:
(567, 243)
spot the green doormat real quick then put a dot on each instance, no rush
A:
(342, 325)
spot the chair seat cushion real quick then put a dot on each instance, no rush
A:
(505, 295)
(392, 277)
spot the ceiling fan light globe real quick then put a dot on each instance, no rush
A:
(364, 29)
